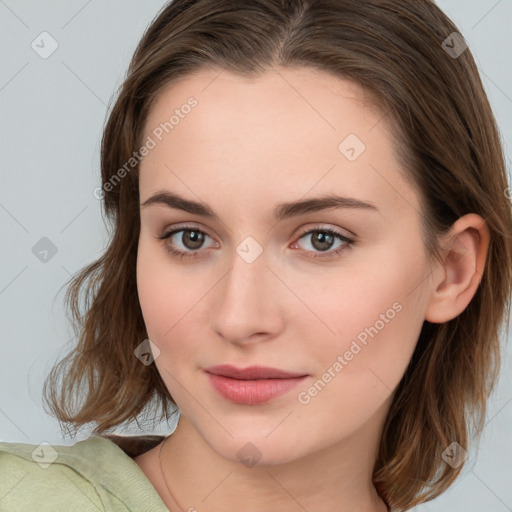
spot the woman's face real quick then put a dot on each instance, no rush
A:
(268, 284)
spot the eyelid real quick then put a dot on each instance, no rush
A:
(326, 227)
(184, 227)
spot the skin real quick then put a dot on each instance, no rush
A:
(250, 144)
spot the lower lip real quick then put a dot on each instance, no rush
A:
(252, 392)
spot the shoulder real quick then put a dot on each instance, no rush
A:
(92, 474)
(45, 477)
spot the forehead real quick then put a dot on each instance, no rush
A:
(297, 130)
(326, 105)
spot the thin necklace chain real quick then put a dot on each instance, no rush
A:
(163, 476)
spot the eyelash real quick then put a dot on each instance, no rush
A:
(348, 242)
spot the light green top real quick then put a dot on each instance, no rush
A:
(92, 475)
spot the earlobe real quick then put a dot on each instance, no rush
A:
(456, 281)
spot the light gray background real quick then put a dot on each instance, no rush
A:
(52, 114)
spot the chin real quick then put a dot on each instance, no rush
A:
(254, 444)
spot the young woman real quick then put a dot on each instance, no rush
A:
(311, 261)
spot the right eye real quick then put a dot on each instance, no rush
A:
(191, 239)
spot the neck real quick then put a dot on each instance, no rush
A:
(335, 478)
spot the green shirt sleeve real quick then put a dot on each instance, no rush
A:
(92, 475)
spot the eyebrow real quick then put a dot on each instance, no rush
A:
(281, 211)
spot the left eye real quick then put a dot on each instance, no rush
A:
(323, 239)
(192, 239)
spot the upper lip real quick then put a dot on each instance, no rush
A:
(251, 372)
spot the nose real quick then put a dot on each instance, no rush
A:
(246, 303)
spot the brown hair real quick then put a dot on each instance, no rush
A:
(447, 140)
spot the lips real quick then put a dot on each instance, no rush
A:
(251, 373)
(251, 386)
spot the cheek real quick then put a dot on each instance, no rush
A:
(377, 319)
(151, 293)
(170, 297)
(359, 372)
(164, 310)
(158, 290)
(363, 299)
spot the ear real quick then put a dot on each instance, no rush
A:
(456, 280)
